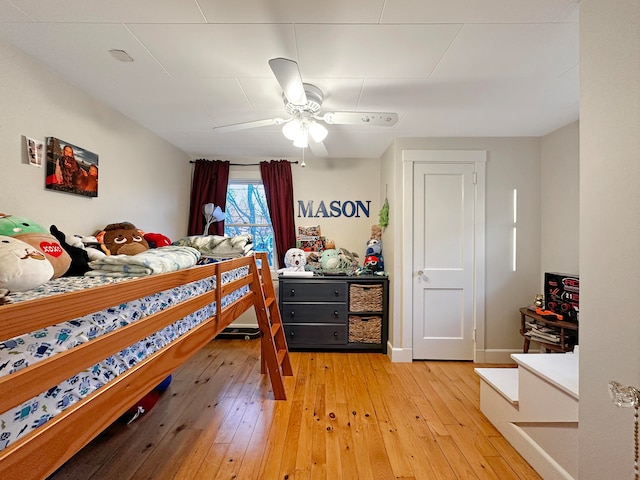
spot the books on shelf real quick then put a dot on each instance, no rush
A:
(542, 333)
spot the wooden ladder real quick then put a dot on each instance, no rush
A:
(274, 350)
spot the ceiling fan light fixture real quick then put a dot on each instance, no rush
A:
(292, 129)
(317, 132)
(301, 142)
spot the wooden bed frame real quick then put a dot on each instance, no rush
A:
(42, 451)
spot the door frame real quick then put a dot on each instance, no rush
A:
(478, 158)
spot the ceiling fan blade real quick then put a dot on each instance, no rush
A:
(246, 125)
(360, 118)
(318, 149)
(288, 76)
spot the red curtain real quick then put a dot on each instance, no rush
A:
(278, 188)
(209, 185)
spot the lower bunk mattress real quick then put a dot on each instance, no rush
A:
(20, 352)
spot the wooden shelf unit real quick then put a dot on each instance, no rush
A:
(566, 330)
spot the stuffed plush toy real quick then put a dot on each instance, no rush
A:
(294, 260)
(95, 249)
(123, 239)
(376, 232)
(348, 259)
(374, 263)
(30, 232)
(330, 259)
(374, 247)
(156, 240)
(79, 256)
(22, 267)
(146, 403)
(329, 244)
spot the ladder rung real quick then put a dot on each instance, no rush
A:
(281, 355)
(270, 301)
(274, 329)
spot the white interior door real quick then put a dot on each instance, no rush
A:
(444, 259)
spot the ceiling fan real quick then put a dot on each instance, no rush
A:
(303, 102)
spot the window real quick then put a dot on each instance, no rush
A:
(247, 212)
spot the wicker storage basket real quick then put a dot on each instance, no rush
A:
(365, 329)
(365, 298)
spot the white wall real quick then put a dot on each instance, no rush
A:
(143, 179)
(609, 232)
(513, 163)
(560, 197)
(328, 179)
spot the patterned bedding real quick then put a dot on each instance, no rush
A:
(216, 247)
(156, 260)
(19, 352)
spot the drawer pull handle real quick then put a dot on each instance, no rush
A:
(335, 313)
(293, 292)
(291, 334)
(293, 314)
(336, 293)
(335, 334)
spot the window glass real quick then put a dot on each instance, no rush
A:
(247, 212)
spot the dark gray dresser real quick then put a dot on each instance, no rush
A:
(335, 312)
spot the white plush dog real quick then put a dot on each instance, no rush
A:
(295, 259)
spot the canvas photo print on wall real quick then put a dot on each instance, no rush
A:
(71, 169)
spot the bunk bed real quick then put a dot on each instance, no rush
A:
(174, 315)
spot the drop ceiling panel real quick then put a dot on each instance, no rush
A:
(81, 51)
(216, 50)
(286, 11)
(510, 51)
(10, 13)
(112, 11)
(379, 51)
(473, 11)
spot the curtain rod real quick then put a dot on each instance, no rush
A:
(245, 164)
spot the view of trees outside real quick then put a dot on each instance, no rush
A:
(247, 212)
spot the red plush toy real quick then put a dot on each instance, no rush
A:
(147, 402)
(156, 240)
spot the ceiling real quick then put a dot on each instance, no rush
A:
(446, 67)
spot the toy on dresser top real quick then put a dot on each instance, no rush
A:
(373, 260)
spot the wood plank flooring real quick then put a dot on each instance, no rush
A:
(347, 416)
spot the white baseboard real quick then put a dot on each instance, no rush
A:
(405, 355)
(400, 355)
(495, 356)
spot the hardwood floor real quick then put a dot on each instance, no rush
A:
(347, 416)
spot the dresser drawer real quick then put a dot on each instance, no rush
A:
(314, 313)
(313, 291)
(314, 335)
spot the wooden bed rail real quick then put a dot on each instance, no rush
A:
(39, 453)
